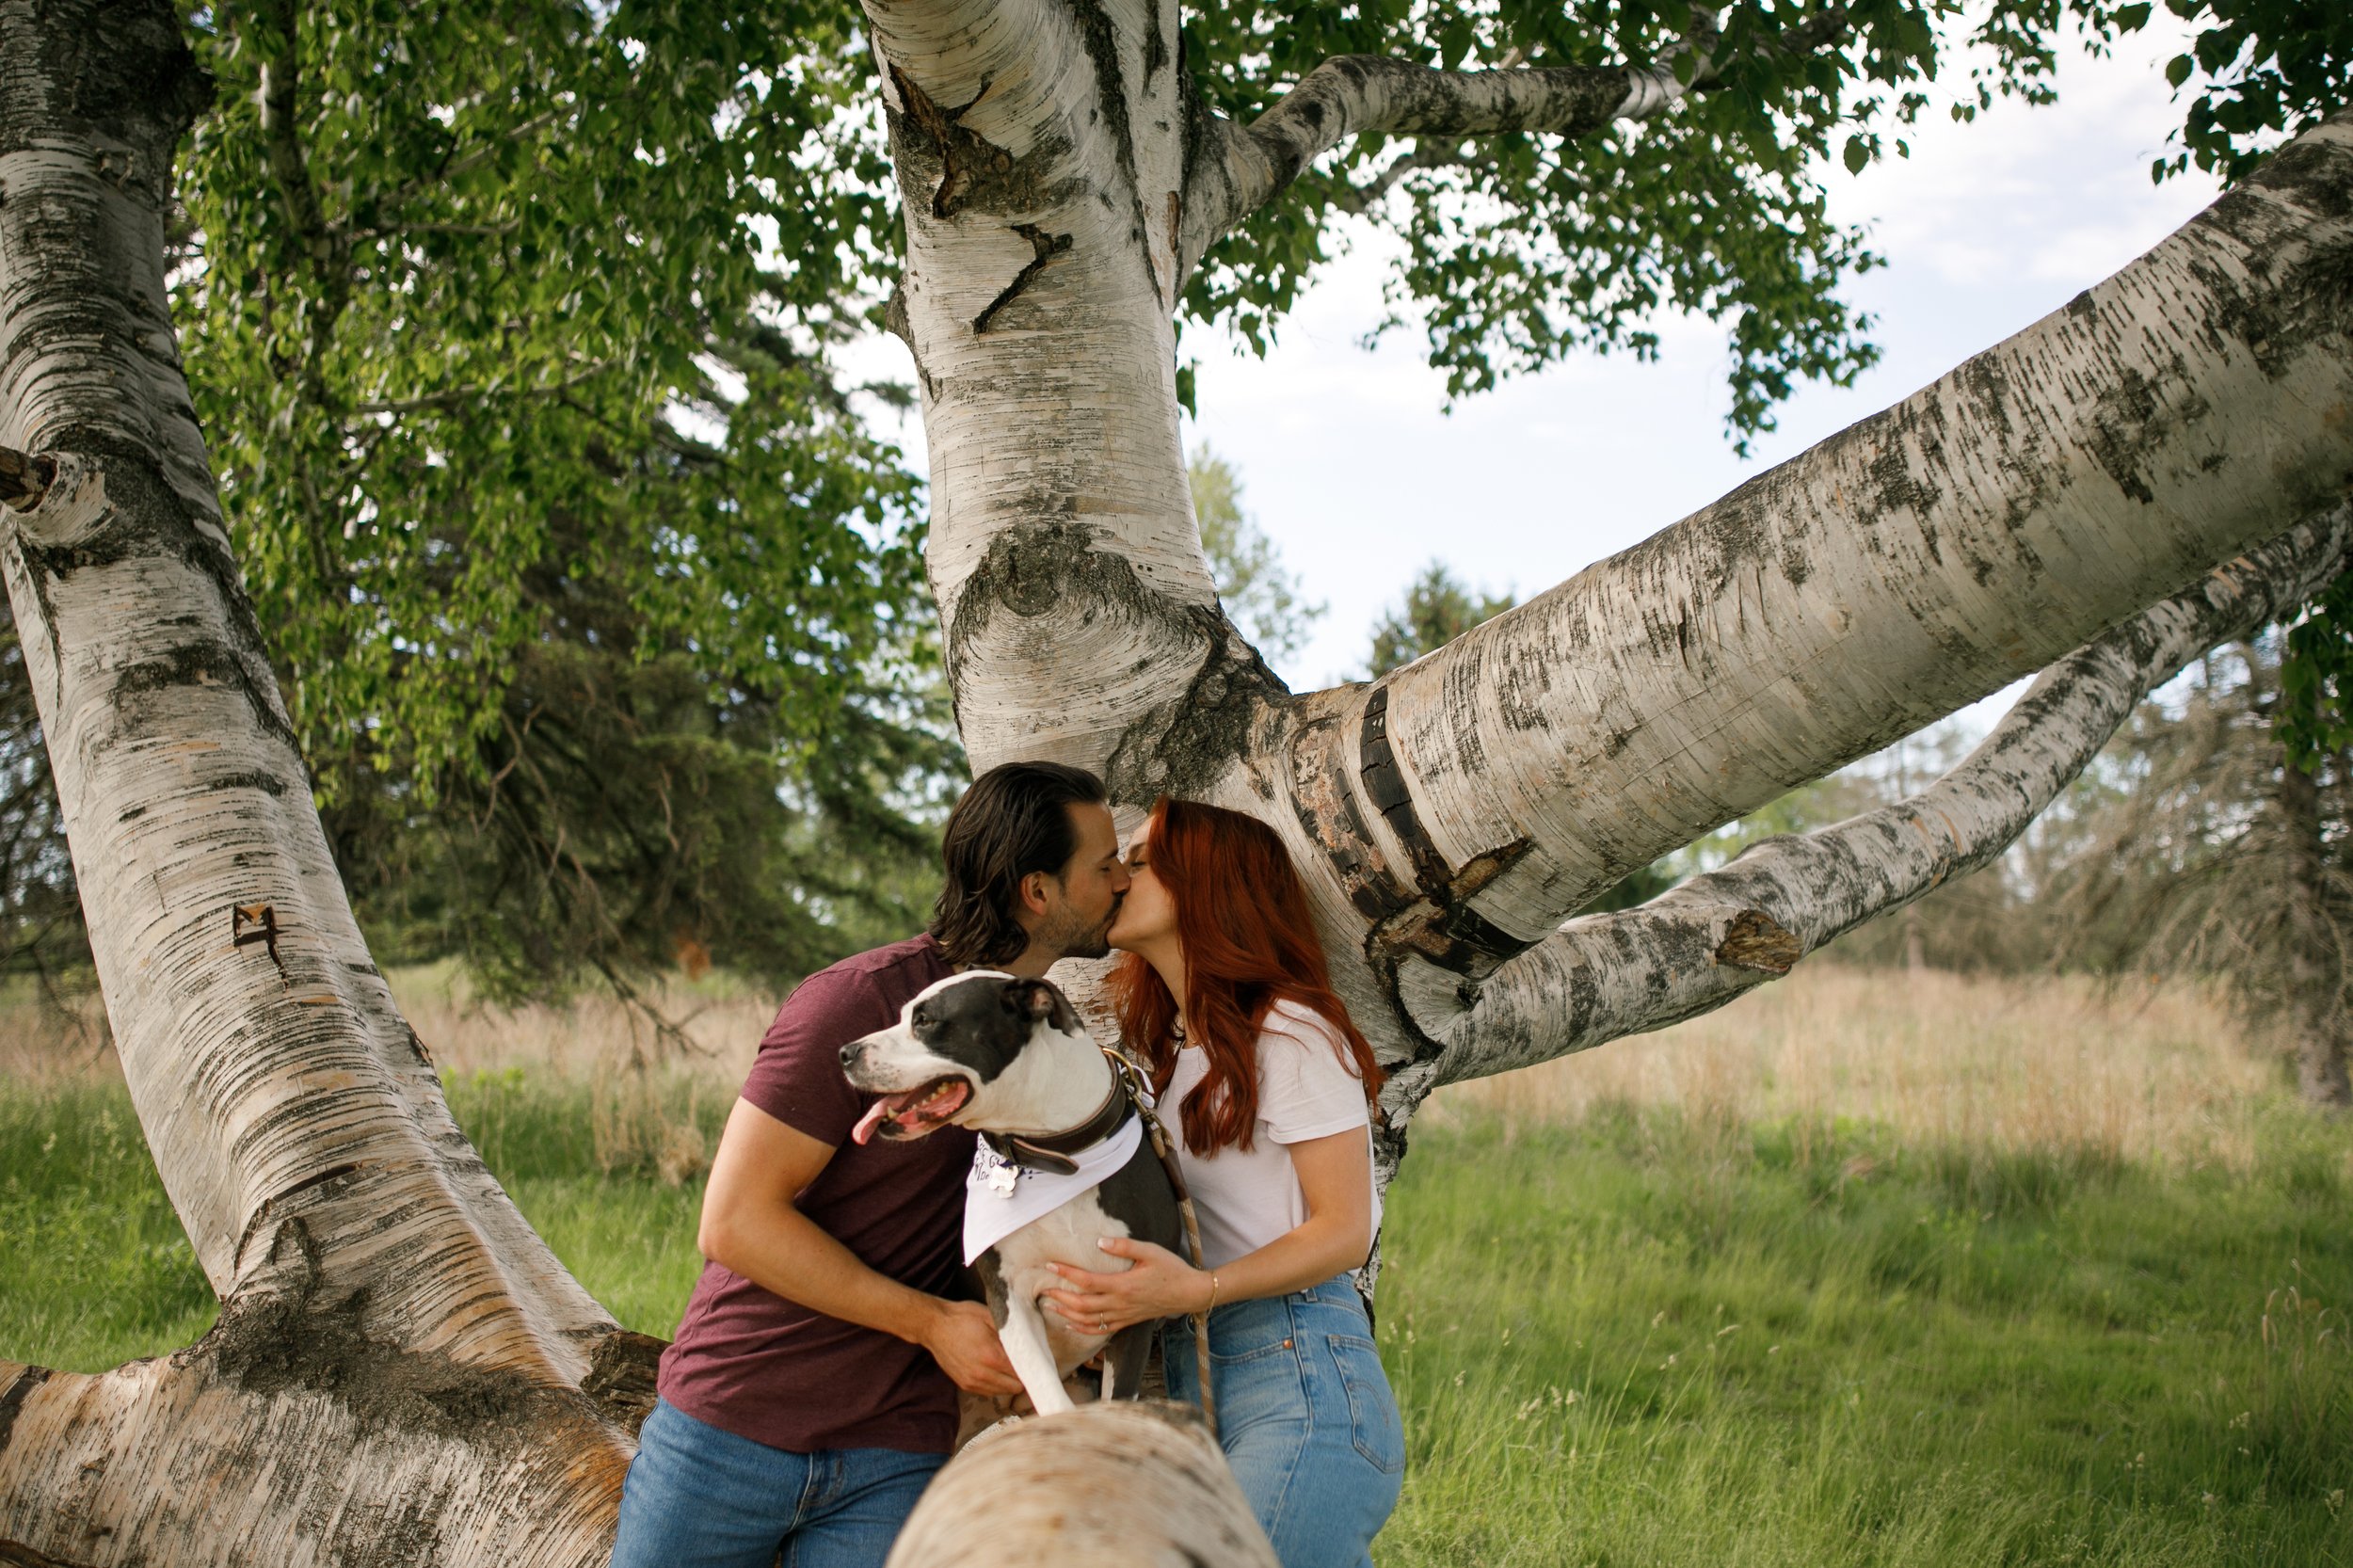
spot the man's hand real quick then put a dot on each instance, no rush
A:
(962, 1337)
(750, 1224)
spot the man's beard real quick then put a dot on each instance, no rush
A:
(1073, 941)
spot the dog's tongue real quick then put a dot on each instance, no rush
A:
(876, 1115)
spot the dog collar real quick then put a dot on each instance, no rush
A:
(1051, 1151)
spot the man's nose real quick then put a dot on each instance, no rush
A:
(1119, 876)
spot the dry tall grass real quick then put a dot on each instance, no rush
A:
(45, 1041)
(658, 1071)
(2057, 1064)
(708, 1029)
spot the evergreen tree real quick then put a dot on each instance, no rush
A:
(1262, 598)
(1437, 609)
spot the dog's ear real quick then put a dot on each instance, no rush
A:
(1043, 999)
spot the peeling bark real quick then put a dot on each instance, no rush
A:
(1698, 946)
(397, 1371)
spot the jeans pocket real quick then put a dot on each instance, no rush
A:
(1256, 1365)
(1373, 1425)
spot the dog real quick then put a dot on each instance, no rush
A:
(1009, 1059)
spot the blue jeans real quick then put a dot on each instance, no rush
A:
(699, 1497)
(1305, 1416)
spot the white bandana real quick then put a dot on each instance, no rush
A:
(1001, 1197)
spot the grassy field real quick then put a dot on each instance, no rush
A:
(1864, 1270)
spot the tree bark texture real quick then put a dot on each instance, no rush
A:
(1696, 947)
(1142, 1485)
(397, 1373)
(1449, 815)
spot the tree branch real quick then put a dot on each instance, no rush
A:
(1242, 168)
(457, 163)
(2052, 486)
(1697, 947)
(1427, 155)
(1234, 170)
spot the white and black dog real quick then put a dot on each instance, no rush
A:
(1062, 1164)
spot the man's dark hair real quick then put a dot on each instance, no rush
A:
(1014, 819)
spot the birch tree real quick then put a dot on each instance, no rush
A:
(401, 1372)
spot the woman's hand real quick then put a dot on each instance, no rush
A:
(1161, 1285)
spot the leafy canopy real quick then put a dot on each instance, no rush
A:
(1523, 249)
(467, 295)
(596, 599)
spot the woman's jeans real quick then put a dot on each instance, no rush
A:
(1305, 1416)
(699, 1497)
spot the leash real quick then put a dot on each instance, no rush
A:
(1131, 1080)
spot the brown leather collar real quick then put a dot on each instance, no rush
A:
(1051, 1151)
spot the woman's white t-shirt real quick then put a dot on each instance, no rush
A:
(1306, 1089)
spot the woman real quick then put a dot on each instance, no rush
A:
(1225, 993)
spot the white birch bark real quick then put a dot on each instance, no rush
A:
(1039, 155)
(1141, 1485)
(1453, 813)
(2161, 423)
(1602, 977)
(397, 1371)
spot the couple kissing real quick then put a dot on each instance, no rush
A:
(812, 1389)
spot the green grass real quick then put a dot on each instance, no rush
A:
(1633, 1340)
(1636, 1341)
(625, 1234)
(94, 1268)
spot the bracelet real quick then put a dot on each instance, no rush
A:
(1212, 1306)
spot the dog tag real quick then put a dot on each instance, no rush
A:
(1001, 1175)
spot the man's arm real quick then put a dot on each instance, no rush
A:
(750, 1224)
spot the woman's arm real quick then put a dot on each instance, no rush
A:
(1335, 1176)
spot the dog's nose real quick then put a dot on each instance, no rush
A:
(849, 1054)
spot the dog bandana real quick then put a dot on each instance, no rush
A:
(1001, 1197)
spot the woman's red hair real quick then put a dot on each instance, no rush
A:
(1249, 942)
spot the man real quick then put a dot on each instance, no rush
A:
(812, 1391)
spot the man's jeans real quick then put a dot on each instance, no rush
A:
(699, 1497)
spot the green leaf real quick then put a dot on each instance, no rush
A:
(1858, 155)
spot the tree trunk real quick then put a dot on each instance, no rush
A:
(1451, 814)
(2315, 969)
(402, 1372)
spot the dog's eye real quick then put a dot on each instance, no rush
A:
(921, 1019)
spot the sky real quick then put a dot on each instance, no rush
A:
(1351, 464)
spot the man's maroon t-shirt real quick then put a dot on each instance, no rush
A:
(749, 1362)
